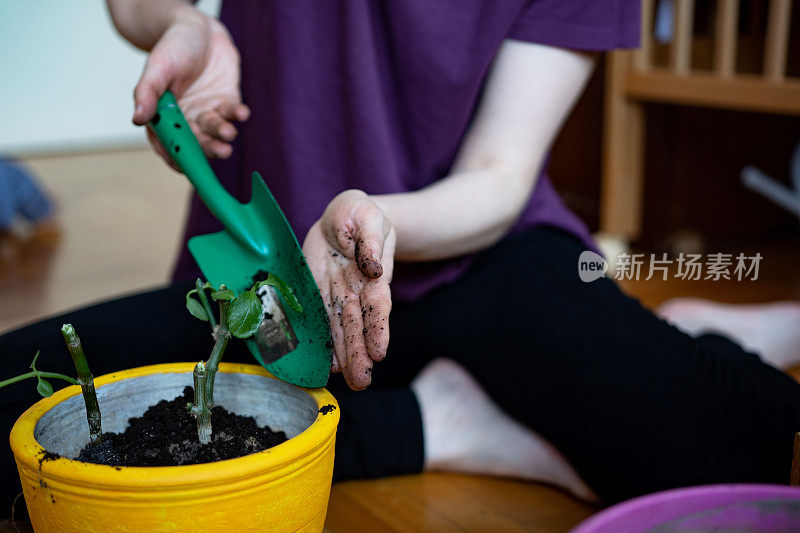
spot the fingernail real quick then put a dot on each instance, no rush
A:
(370, 267)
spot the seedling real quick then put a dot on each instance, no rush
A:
(239, 316)
(85, 380)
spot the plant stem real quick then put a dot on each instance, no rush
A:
(221, 337)
(200, 409)
(201, 293)
(38, 373)
(85, 380)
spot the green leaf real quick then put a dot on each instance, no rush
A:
(196, 308)
(225, 294)
(44, 388)
(35, 357)
(288, 294)
(208, 285)
(244, 315)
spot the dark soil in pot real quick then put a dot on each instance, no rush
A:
(166, 435)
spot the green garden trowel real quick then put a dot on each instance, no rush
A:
(257, 239)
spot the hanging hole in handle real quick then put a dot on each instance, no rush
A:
(177, 148)
(155, 120)
(177, 126)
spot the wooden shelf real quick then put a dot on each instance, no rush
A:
(742, 92)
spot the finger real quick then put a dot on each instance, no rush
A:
(360, 234)
(155, 79)
(357, 367)
(234, 111)
(216, 126)
(334, 308)
(324, 292)
(213, 148)
(218, 149)
(371, 228)
(334, 364)
(160, 150)
(376, 304)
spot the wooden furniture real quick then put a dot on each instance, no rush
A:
(633, 79)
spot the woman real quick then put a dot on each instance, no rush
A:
(419, 130)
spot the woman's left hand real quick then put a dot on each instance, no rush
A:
(351, 254)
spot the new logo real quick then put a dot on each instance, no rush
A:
(591, 266)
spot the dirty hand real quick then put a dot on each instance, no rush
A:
(351, 253)
(198, 62)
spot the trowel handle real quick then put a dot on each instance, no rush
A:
(176, 135)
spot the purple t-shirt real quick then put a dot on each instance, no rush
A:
(377, 95)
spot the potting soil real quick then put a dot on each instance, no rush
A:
(166, 435)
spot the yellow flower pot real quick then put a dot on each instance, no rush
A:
(285, 488)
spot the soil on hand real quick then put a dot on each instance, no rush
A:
(166, 435)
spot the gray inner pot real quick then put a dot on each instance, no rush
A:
(64, 429)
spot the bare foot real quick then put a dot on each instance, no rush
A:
(771, 330)
(464, 431)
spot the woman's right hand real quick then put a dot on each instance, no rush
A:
(197, 60)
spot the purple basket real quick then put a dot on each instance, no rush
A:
(741, 508)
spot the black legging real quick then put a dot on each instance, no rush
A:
(634, 404)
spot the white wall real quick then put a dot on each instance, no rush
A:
(66, 77)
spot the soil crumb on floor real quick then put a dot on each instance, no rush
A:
(166, 435)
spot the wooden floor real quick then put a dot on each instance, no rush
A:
(120, 217)
(451, 502)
